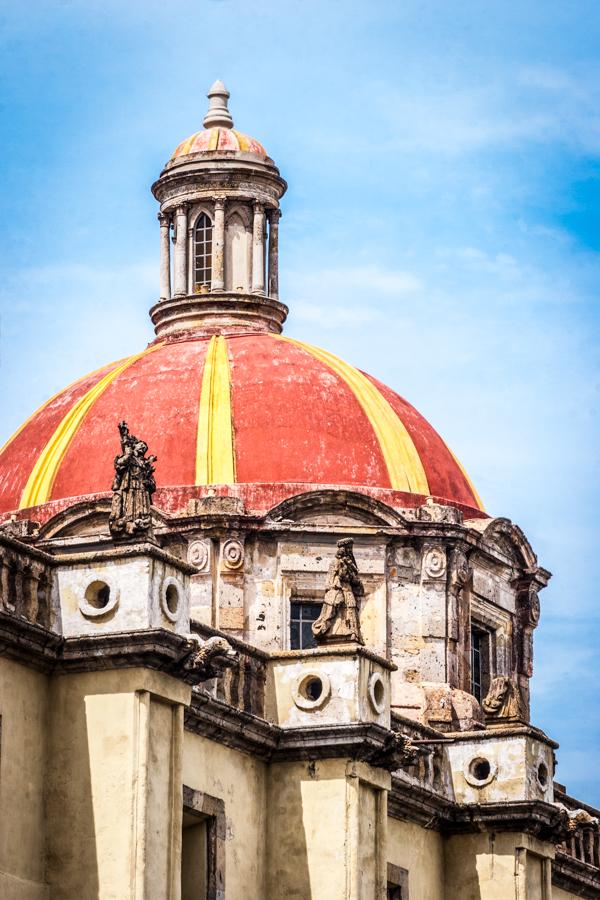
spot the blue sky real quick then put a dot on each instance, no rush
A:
(441, 230)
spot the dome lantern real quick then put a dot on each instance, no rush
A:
(219, 207)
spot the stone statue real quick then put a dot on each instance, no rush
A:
(339, 615)
(133, 487)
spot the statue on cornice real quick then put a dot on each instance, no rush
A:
(339, 614)
(133, 487)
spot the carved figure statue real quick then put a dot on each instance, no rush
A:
(339, 613)
(133, 487)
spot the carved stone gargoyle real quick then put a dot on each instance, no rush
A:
(339, 619)
(133, 487)
(398, 752)
(207, 659)
(503, 700)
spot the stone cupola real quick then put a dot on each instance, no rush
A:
(219, 218)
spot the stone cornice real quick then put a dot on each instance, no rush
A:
(212, 718)
(414, 803)
(123, 551)
(336, 650)
(37, 648)
(493, 732)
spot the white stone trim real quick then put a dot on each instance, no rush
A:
(304, 702)
(92, 612)
(167, 582)
(471, 779)
(375, 679)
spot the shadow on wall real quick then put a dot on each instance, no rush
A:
(288, 871)
(480, 866)
(72, 861)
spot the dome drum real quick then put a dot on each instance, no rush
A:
(217, 313)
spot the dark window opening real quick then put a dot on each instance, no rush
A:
(203, 251)
(302, 615)
(397, 883)
(480, 662)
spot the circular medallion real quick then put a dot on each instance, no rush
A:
(233, 554)
(434, 563)
(199, 554)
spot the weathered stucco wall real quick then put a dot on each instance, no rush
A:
(421, 851)
(240, 781)
(23, 741)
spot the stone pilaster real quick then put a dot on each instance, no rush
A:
(165, 257)
(274, 217)
(180, 255)
(218, 247)
(258, 249)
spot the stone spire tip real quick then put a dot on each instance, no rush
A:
(218, 115)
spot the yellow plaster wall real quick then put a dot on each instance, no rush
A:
(307, 842)
(107, 806)
(23, 705)
(240, 781)
(421, 851)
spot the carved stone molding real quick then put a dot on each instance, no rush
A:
(436, 512)
(460, 571)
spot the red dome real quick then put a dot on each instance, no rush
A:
(269, 416)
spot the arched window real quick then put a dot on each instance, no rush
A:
(203, 251)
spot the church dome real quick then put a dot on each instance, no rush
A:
(266, 415)
(217, 140)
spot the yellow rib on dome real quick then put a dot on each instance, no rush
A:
(403, 463)
(213, 141)
(242, 140)
(185, 146)
(41, 480)
(215, 459)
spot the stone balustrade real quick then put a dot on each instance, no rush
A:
(583, 841)
(26, 582)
